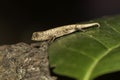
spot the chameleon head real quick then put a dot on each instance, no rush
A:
(39, 36)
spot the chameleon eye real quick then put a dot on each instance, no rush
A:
(35, 35)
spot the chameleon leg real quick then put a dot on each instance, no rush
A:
(52, 38)
(79, 29)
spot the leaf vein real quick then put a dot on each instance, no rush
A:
(111, 27)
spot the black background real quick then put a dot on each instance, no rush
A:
(19, 19)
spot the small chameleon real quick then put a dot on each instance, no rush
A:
(60, 31)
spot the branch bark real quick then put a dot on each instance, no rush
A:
(22, 61)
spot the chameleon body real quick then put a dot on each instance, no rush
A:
(60, 31)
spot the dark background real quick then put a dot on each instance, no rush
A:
(19, 19)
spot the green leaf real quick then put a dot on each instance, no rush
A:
(87, 55)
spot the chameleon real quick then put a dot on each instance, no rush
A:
(60, 31)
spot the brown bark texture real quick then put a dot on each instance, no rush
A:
(22, 61)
